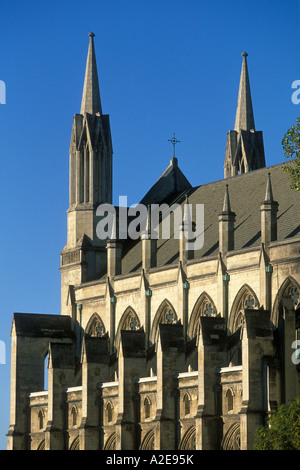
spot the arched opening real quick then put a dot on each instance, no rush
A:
(147, 407)
(188, 442)
(229, 400)
(187, 404)
(74, 414)
(290, 288)
(41, 445)
(129, 321)
(286, 318)
(232, 438)
(75, 444)
(41, 417)
(245, 299)
(204, 306)
(111, 442)
(148, 441)
(109, 412)
(95, 326)
(165, 314)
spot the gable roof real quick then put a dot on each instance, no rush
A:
(170, 184)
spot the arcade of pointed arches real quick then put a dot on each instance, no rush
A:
(246, 298)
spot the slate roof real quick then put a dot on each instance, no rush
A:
(171, 183)
(247, 192)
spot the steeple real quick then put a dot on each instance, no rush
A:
(91, 102)
(244, 118)
(91, 153)
(244, 147)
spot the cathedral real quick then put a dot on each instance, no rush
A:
(162, 344)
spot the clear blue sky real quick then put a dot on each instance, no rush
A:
(164, 66)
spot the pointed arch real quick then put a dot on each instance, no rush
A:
(74, 415)
(289, 288)
(111, 442)
(229, 399)
(41, 445)
(109, 411)
(129, 321)
(165, 314)
(244, 299)
(231, 440)
(204, 306)
(187, 403)
(95, 326)
(188, 442)
(75, 444)
(147, 407)
(148, 441)
(41, 417)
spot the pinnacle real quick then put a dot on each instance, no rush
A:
(269, 192)
(226, 204)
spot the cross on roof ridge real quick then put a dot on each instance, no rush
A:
(174, 141)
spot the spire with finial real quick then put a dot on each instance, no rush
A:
(244, 147)
(244, 113)
(91, 154)
(91, 102)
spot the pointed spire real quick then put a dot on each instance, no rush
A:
(91, 102)
(244, 114)
(269, 192)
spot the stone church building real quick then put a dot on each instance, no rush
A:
(159, 346)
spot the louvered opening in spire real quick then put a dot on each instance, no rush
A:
(91, 102)
(244, 114)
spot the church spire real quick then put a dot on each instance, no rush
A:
(244, 147)
(90, 158)
(91, 102)
(244, 113)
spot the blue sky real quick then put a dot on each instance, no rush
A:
(164, 66)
